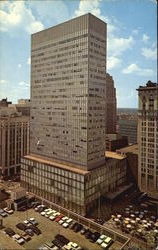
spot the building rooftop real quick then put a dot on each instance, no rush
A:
(149, 85)
(66, 166)
(114, 155)
(130, 149)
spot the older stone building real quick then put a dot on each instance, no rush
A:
(14, 140)
(148, 138)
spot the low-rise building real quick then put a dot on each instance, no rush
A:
(131, 153)
(115, 141)
(73, 188)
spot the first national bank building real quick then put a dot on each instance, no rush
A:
(67, 163)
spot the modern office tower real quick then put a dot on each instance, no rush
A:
(127, 126)
(67, 163)
(14, 141)
(111, 105)
(148, 138)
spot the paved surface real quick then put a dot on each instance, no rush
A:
(49, 230)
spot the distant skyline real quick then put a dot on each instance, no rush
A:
(132, 41)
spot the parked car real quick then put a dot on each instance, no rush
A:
(26, 237)
(35, 229)
(58, 218)
(94, 236)
(29, 232)
(21, 226)
(3, 213)
(9, 231)
(33, 222)
(8, 211)
(88, 234)
(73, 225)
(83, 230)
(24, 208)
(77, 227)
(62, 239)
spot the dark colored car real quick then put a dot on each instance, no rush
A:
(77, 227)
(22, 208)
(34, 222)
(35, 229)
(29, 232)
(9, 231)
(35, 204)
(40, 209)
(83, 230)
(88, 234)
(58, 243)
(26, 237)
(73, 225)
(21, 226)
(94, 236)
(62, 239)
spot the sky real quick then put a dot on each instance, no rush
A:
(131, 43)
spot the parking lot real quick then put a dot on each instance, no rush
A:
(48, 228)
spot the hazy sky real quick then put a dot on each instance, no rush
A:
(132, 44)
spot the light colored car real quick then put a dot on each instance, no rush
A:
(56, 214)
(20, 241)
(61, 222)
(9, 211)
(69, 220)
(65, 225)
(67, 247)
(75, 245)
(48, 213)
(43, 213)
(55, 248)
(51, 217)
(16, 236)
(26, 221)
(107, 240)
(102, 237)
(32, 219)
(104, 245)
(99, 241)
(65, 218)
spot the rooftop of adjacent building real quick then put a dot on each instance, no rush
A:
(114, 155)
(4, 102)
(149, 86)
(11, 112)
(130, 149)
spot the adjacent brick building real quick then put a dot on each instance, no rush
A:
(14, 140)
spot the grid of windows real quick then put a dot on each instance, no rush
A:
(68, 188)
(68, 64)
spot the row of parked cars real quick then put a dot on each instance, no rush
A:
(94, 237)
(29, 228)
(5, 212)
(60, 242)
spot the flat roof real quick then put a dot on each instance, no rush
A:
(74, 168)
(129, 149)
(114, 155)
